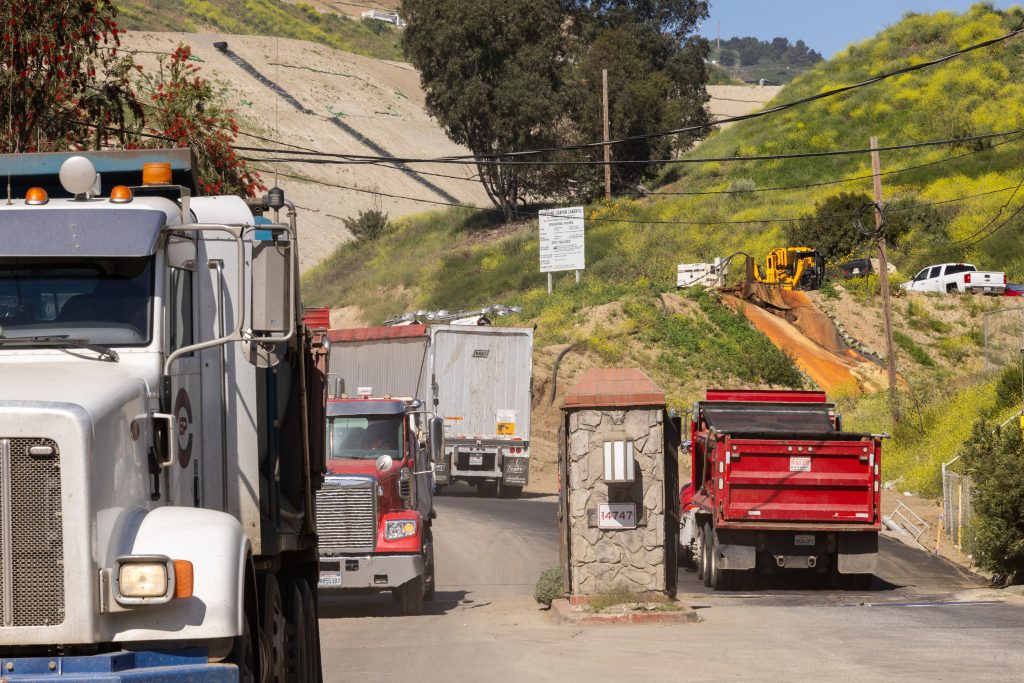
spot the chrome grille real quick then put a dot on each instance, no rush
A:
(31, 535)
(346, 516)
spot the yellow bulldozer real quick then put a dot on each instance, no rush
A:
(800, 268)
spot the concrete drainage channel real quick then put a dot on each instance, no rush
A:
(298, 106)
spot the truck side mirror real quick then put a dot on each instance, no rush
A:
(436, 439)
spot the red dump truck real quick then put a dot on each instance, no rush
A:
(778, 486)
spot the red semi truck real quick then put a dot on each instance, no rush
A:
(778, 486)
(376, 506)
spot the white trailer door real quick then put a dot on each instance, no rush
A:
(481, 379)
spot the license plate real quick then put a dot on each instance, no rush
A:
(803, 539)
(477, 459)
(330, 578)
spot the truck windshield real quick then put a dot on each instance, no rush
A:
(365, 437)
(104, 301)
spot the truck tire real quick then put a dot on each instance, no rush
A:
(721, 579)
(312, 631)
(510, 492)
(411, 597)
(273, 630)
(297, 641)
(487, 489)
(705, 559)
(951, 288)
(245, 651)
(428, 565)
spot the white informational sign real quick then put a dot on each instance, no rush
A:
(561, 240)
(616, 516)
(799, 463)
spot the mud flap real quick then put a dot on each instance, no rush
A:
(516, 470)
(736, 550)
(858, 552)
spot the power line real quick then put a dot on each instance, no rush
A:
(778, 108)
(535, 214)
(840, 181)
(352, 159)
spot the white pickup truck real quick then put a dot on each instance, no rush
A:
(956, 278)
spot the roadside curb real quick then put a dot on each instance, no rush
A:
(564, 613)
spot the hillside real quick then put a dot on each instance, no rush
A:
(351, 104)
(625, 311)
(327, 23)
(749, 59)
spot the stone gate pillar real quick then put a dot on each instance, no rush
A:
(618, 486)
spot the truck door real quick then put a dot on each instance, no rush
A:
(183, 478)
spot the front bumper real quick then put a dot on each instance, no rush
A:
(362, 572)
(119, 667)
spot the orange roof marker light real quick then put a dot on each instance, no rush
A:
(36, 196)
(121, 194)
(156, 173)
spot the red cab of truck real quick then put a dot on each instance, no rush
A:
(375, 509)
(777, 485)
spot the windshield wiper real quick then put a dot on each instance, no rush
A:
(63, 341)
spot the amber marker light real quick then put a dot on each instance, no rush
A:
(36, 196)
(183, 579)
(121, 194)
(156, 173)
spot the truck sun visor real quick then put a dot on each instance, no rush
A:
(82, 232)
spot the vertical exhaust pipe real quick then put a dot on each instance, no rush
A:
(781, 560)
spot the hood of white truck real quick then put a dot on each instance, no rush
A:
(99, 387)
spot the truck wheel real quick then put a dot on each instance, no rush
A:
(297, 639)
(428, 565)
(510, 492)
(487, 489)
(273, 629)
(705, 560)
(312, 631)
(411, 595)
(721, 579)
(244, 653)
(952, 289)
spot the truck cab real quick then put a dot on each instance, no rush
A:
(156, 473)
(375, 510)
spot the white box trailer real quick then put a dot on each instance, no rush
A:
(480, 384)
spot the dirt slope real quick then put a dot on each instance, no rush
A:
(378, 100)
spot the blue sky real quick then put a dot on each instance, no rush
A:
(827, 26)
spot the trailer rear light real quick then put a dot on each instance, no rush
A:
(36, 196)
(967, 278)
(121, 194)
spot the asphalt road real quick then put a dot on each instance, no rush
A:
(924, 619)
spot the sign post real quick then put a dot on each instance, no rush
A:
(562, 241)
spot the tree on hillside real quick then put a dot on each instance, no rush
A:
(187, 110)
(656, 78)
(492, 74)
(64, 82)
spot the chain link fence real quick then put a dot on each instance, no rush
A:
(1004, 337)
(957, 508)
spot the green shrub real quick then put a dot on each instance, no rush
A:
(829, 291)
(918, 354)
(550, 586)
(1009, 387)
(995, 464)
(368, 225)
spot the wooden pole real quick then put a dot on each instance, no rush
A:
(883, 261)
(607, 147)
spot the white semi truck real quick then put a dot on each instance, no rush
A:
(157, 464)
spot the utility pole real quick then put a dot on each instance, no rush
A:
(883, 262)
(607, 147)
(718, 39)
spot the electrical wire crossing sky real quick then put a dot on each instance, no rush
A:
(827, 26)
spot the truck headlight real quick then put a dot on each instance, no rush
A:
(401, 528)
(142, 579)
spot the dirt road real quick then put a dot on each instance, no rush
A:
(917, 624)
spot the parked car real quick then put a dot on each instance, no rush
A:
(956, 278)
(856, 267)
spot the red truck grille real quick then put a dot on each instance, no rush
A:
(346, 515)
